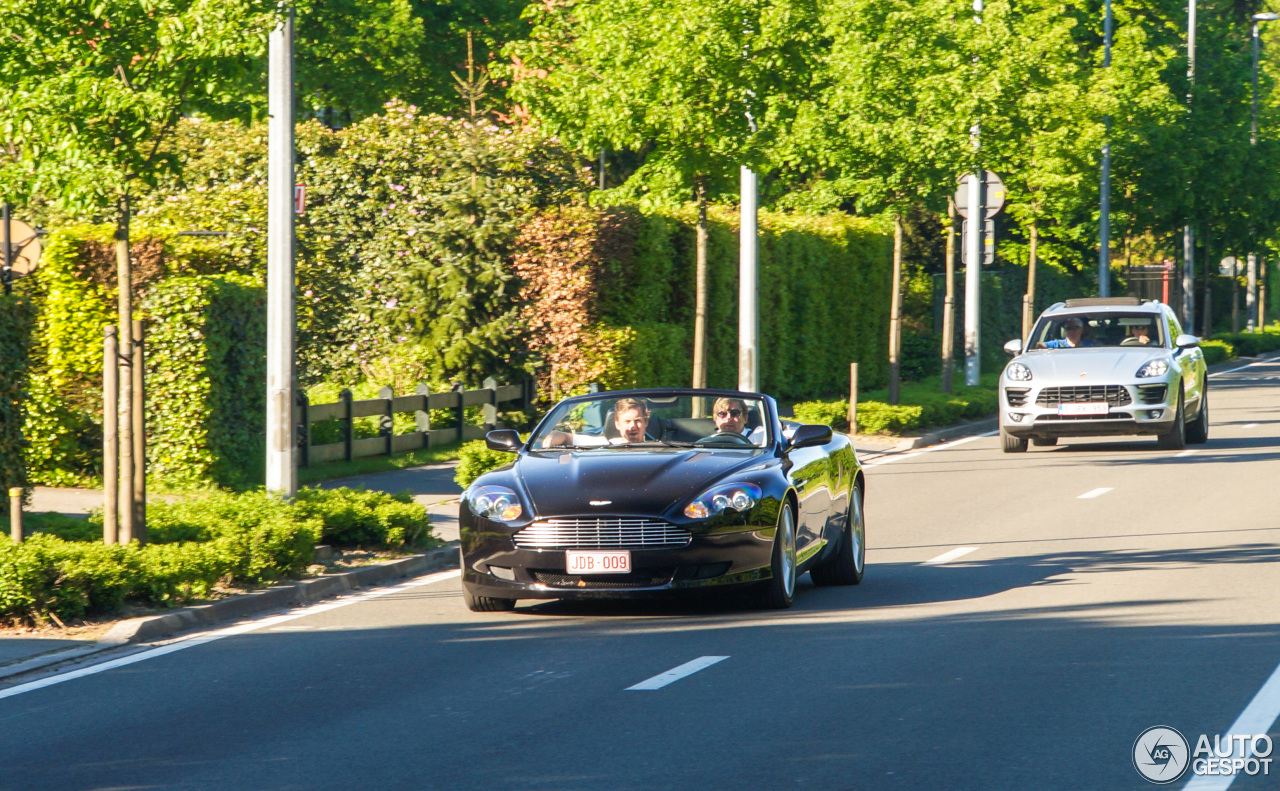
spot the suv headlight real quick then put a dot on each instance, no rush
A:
(726, 496)
(1018, 372)
(493, 502)
(1156, 367)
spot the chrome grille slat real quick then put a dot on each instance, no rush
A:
(1115, 395)
(601, 533)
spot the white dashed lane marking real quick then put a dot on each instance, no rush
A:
(676, 673)
(1183, 453)
(1095, 493)
(947, 557)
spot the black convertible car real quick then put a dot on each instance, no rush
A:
(643, 492)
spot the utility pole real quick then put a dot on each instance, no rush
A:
(1104, 219)
(976, 249)
(895, 312)
(281, 470)
(949, 302)
(748, 353)
(1251, 299)
(1188, 231)
(124, 363)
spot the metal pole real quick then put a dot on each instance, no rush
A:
(1188, 233)
(6, 276)
(949, 302)
(973, 279)
(748, 356)
(1251, 292)
(139, 438)
(110, 436)
(281, 470)
(1104, 219)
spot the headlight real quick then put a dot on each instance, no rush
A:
(493, 502)
(1156, 367)
(1018, 372)
(726, 496)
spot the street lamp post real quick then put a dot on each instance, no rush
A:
(1104, 218)
(1251, 294)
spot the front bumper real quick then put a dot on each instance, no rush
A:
(1138, 407)
(492, 565)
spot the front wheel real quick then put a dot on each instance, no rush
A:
(780, 590)
(1176, 437)
(849, 562)
(1198, 431)
(1044, 442)
(486, 603)
(1012, 444)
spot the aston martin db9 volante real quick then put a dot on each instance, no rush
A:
(1105, 366)
(649, 492)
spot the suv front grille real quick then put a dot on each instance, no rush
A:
(1152, 394)
(1115, 395)
(601, 533)
(1016, 396)
(641, 578)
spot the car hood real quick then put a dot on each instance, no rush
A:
(1107, 365)
(632, 481)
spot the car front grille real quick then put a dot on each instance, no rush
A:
(1016, 396)
(1152, 394)
(1115, 395)
(601, 533)
(1108, 416)
(641, 578)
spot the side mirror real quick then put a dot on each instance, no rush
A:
(1186, 341)
(503, 439)
(1014, 347)
(807, 436)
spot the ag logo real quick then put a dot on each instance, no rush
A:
(1160, 754)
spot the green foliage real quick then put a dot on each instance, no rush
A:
(16, 315)
(475, 459)
(920, 405)
(353, 517)
(206, 362)
(1217, 351)
(1251, 344)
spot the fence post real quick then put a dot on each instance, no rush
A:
(304, 428)
(139, 437)
(422, 417)
(853, 398)
(530, 394)
(461, 412)
(110, 435)
(15, 514)
(348, 422)
(386, 424)
(491, 408)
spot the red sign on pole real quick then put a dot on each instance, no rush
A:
(299, 198)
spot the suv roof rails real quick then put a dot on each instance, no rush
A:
(1096, 302)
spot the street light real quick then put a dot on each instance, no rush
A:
(1251, 293)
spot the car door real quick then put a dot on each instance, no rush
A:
(810, 474)
(1190, 365)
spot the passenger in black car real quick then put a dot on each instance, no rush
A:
(630, 419)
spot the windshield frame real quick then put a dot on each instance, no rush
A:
(768, 420)
(1046, 322)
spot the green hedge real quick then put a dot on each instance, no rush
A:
(475, 459)
(246, 539)
(206, 394)
(920, 405)
(1251, 344)
(1217, 351)
(16, 316)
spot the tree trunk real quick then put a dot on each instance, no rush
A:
(1029, 304)
(1235, 293)
(895, 311)
(949, 304)
(700, 301)
(124, 284)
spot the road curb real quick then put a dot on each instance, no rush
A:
(156, 627)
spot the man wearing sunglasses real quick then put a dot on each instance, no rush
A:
(730, 415)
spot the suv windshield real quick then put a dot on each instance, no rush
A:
(613, 422)
(1079, 330)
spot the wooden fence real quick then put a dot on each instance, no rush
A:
(388, 404)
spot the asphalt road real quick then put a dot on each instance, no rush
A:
(1089, 591)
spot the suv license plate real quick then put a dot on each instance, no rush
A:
(1083, 409)
(597, 562)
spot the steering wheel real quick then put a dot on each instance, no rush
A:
(720, 436)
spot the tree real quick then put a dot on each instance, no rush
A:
(701, 89)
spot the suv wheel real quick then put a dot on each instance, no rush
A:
(1176, 437)
(1198, 431)
(1012, 444)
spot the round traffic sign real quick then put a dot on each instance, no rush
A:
(994, 198)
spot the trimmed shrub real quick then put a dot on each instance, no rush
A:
(353, 517)
(1216, 351)
(921, 406)
(207, 390)
(475, 459)
(16, 316)
(1251, 344)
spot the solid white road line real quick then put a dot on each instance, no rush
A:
(209, 637)
(676, 673)
(1246, 365)
(1257, 717)
(947, 557)
(1089, 495)
(944, 446)
(1249, 425)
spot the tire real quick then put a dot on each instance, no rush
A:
(486, 603)
(1012, 444)
(1198, 430)
(1044, 442)
(1176, 437)
(780, 590)
(849, 562)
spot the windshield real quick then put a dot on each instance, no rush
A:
(611, 422)
(1080, 330)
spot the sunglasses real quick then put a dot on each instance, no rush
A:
(732, 412)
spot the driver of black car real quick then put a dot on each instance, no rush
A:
(630, 418)
(730, 415)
